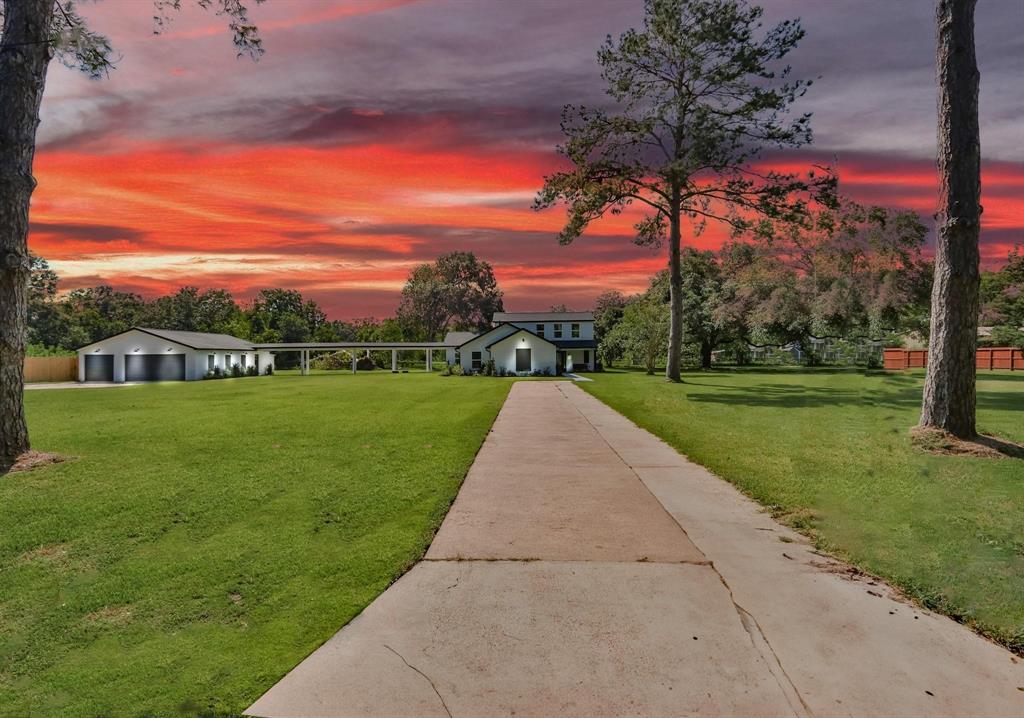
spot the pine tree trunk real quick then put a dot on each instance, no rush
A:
(675, 283)
(949, 390)
(25, 53)
(705, 354)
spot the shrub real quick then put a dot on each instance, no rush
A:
(489, 368)
(365, 364)
(236, 370)
(214, 373)
(457, 370)
(334, 360)
(269, 371)
(251, 370)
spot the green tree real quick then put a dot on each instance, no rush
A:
(847, 271)
(99, 312)
(1002, 296)
(47, 326)
(608, 310)
(641, 336)
(455, 292)
(34, 32)
(697, 100)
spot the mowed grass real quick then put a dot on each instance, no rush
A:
(210, 535)
(829, 450)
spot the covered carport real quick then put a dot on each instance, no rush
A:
(305, 349)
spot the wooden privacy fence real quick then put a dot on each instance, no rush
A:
(51, 369)
(988, 358)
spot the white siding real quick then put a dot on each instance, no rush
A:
(542, 353)
(136, 342)
(586, 329)
(479, 345)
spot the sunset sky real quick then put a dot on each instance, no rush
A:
(377, 134)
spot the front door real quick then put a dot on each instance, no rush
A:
(559, 362)
(524, 361)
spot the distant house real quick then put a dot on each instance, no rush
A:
(142, 354)
(526, 342)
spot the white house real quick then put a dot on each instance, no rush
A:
(525, 342)
(142, 354)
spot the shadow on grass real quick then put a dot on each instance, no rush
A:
(789, 396)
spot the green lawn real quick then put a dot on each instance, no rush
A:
(829, 449)
(210, 535)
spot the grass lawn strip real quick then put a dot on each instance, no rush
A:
(830, 452)
(208, 536)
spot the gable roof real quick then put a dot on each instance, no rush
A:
(505, 317)
(519, 330)
(489, 331)
(192, 340)
(457, 339)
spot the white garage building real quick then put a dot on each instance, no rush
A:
(142, 354)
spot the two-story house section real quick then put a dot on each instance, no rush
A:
(524, 342)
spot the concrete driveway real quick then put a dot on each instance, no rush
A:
(587, 569)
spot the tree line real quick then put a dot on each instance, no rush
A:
(455, 292)
(749, 295)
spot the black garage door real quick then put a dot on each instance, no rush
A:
(154, 367)
(99, 367)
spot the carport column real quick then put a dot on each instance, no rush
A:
(353, 361)
(430, 360)
(394, 361)
(119, 368)
(81, 366)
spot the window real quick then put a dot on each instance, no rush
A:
(211, 360)
(558, 331)
(244, 357)
(227, 361)
(575, 331)
(540, 330)
(586, 356)
(477, 360)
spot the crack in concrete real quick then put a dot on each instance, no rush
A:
(428, 679)
(754, 630)
(747, 620)
(461, 559)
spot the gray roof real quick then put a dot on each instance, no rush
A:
(456, 339)
(518, 330)
(543, 317)
(199, 340)
(337, 346)
(575, 343)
